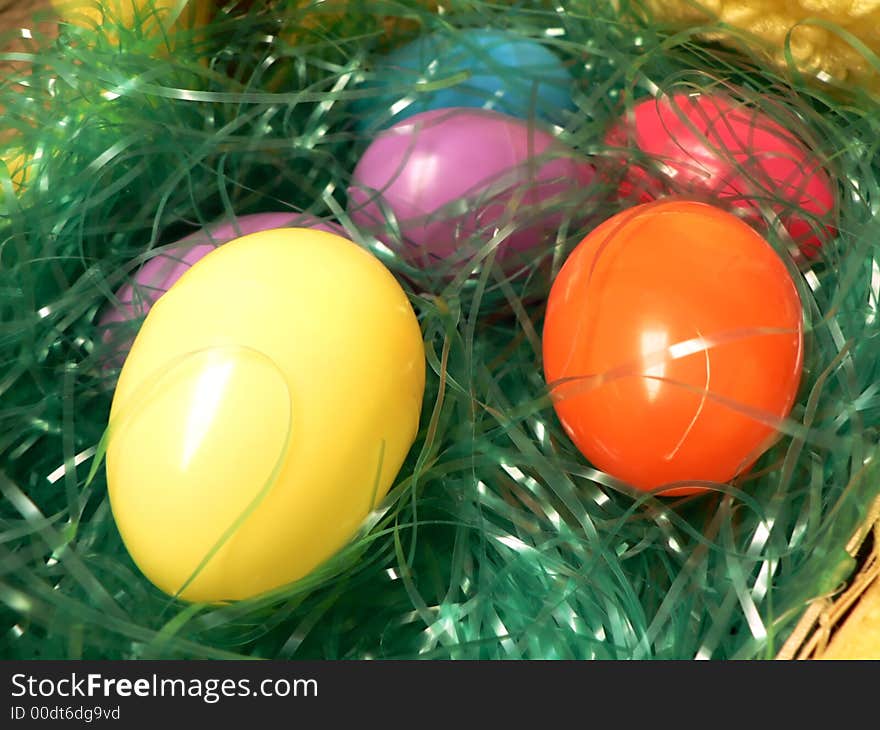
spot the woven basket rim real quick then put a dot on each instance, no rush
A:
(827, 614)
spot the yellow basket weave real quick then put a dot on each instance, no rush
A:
(829, 39)
(845, 625)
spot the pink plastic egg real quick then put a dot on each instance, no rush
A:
(158, 274)
(711, 147)
(447, 179)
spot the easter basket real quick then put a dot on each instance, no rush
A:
(497, 538)
(844, 625)
(827, 41)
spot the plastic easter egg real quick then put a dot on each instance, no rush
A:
(712, 147)
(446, 179)
(265, 409)
(151, 17)
(673, 342)
(473, 67)
(159, 274)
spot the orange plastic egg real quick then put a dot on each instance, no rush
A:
(673, 346)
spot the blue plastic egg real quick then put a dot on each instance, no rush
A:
(477, 68)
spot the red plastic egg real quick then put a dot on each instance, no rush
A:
(709, 146)
(673, 342)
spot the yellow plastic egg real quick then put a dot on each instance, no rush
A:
(151, 15)
(264, 410)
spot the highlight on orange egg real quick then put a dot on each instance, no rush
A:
(673, 346)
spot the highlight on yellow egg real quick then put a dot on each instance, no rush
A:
(815, 48)
(265, 409)
(150, 17)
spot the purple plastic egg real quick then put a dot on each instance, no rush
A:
(448, 178)
(160, 273)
